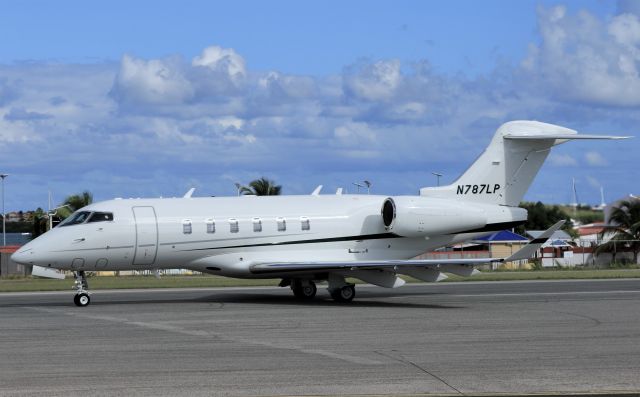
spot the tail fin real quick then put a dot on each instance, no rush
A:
(504, 171)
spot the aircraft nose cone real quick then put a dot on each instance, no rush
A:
(23, 256)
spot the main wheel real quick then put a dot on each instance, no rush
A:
(304, 292)
(82, 299)
(344, 294)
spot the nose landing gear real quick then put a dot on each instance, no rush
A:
(81, 286)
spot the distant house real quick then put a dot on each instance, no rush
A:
(503, 244)
(14, 216)
(558, 250)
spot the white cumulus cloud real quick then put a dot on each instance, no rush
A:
(595, 159)
(151, 82)
(373, 81)
(222, 59)
(582, 58)
(562, 160)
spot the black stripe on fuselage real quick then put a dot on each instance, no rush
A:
(493, 227)
(313, 241)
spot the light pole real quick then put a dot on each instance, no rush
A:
(438, 175)
(238, 187)
(4, 234)
(368, 185)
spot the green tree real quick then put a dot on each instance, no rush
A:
(542, 217)
(261, 187)
(626, 216)
(39, 223)
(73, 203)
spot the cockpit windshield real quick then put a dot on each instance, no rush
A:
(86, 216)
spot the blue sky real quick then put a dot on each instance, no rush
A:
(134, 99)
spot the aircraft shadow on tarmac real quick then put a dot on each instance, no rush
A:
(364, 301)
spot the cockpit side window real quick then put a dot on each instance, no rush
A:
(100, 217)
(76, 218)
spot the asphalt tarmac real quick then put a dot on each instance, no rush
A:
(443, 339)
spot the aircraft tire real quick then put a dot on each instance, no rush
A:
(304, 292)
(82, 299)
(344, 294)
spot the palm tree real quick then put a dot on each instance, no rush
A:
(627, 218)
(261, 187)
(73, 203)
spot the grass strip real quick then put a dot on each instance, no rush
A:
(26, 284)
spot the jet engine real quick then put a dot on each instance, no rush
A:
(409, 216)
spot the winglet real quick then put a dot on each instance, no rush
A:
(189, 193)
(316, 192)
(530, 249)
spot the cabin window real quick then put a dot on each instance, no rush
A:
(100, 217)
(282, 224)
(211, 225)
(257, 225)
(186, 226)
(233, 225)
(304, 223)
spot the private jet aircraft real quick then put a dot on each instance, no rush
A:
(306, 239)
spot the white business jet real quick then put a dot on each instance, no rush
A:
(307, 239)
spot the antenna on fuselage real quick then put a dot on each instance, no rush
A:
(189, 193)
(317, 190)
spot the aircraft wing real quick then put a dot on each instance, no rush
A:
(397, 264)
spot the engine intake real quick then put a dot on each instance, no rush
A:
(421, 216)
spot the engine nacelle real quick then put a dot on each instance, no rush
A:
(421, 216)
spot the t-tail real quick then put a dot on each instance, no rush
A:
(504, 171)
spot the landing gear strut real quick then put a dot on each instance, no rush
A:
(304, 289)
(82, 289)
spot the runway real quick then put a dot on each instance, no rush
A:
(442, 339)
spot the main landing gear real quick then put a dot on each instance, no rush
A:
(340, 290)
(343, 294)
(306, 290)
(82, 289)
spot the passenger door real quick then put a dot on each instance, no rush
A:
(146, 235)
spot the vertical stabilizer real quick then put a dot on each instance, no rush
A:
(505, 170)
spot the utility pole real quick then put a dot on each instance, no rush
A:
(368, 185)
(438, 175)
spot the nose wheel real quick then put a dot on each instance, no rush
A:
(81, 286)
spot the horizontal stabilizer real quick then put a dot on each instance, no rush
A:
(563, 136)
